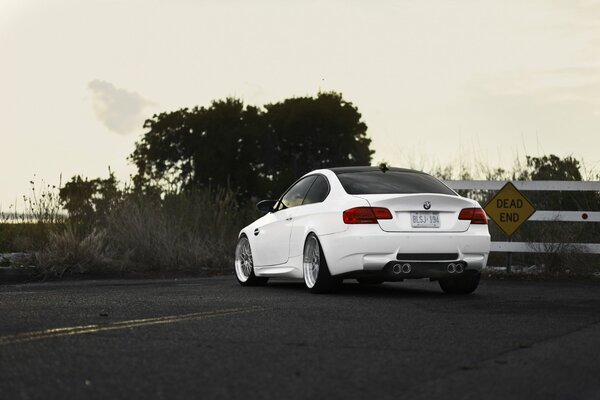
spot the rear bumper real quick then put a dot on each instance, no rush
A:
(366, 249)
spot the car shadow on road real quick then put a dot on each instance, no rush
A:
(430, 290)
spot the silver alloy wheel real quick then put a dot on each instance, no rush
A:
(243, 260)
(312, 261)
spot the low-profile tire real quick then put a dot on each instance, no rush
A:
(463, 284)
(244, 265)
(370, 281)
(317, 277)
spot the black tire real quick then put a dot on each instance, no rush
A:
(370, 281)
(323, 282)
(244, 265)
(463, 284)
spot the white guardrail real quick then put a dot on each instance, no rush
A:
(549, 216)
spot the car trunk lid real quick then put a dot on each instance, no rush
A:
(421, 212)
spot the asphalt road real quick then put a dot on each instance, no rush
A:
(211, 338)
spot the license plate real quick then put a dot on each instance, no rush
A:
(425, 219)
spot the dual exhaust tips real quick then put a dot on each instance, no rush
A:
(402, 268)
(457, 268)
(406, 268)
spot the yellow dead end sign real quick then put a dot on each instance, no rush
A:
(509, 209)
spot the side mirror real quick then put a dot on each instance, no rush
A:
(266, 206)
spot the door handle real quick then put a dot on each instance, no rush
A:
(256, 232)
(288, 219)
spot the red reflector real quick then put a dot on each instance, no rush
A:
(366, 215)
(466, 213)
(382, 213)
(475, 215)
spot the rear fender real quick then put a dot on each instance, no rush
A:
(321, 219)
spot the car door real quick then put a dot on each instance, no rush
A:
(305, 216)
(272, 236)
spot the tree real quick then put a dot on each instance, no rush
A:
(309, 133)
(552, 167)
(89, 201)
(186, 149)
(257, 152)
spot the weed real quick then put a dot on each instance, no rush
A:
(193, 232)
(66, 251)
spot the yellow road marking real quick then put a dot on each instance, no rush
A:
(134, 323)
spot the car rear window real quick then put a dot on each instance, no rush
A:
(377, 182)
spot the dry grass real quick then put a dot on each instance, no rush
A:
(67, 252)
(26, 226)
(190, 232)
(42, 206)
(193, 233)
(555, 254)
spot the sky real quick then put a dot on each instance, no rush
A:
(438, 82)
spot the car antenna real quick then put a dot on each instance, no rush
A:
(383, 167)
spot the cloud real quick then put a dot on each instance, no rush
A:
(118, 109)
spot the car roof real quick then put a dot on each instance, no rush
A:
(350, 170)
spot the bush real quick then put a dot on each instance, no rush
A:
(68, 252)
(194, 233)
(191, 232)
(23, 237)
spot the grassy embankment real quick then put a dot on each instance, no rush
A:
(195, 234)
(190, 234)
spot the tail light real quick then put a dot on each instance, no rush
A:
(475, 215)
(366, 215)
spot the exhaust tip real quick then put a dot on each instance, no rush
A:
(406, 268)
(459, 268)
(451, 268)
(397, 268)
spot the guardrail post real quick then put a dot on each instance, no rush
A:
(508, 257)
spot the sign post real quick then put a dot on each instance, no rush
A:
(509, 209)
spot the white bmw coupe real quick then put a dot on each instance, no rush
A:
(366, 223)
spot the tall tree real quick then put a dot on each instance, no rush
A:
(202, 147)
(308, 133)
(257, 152)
